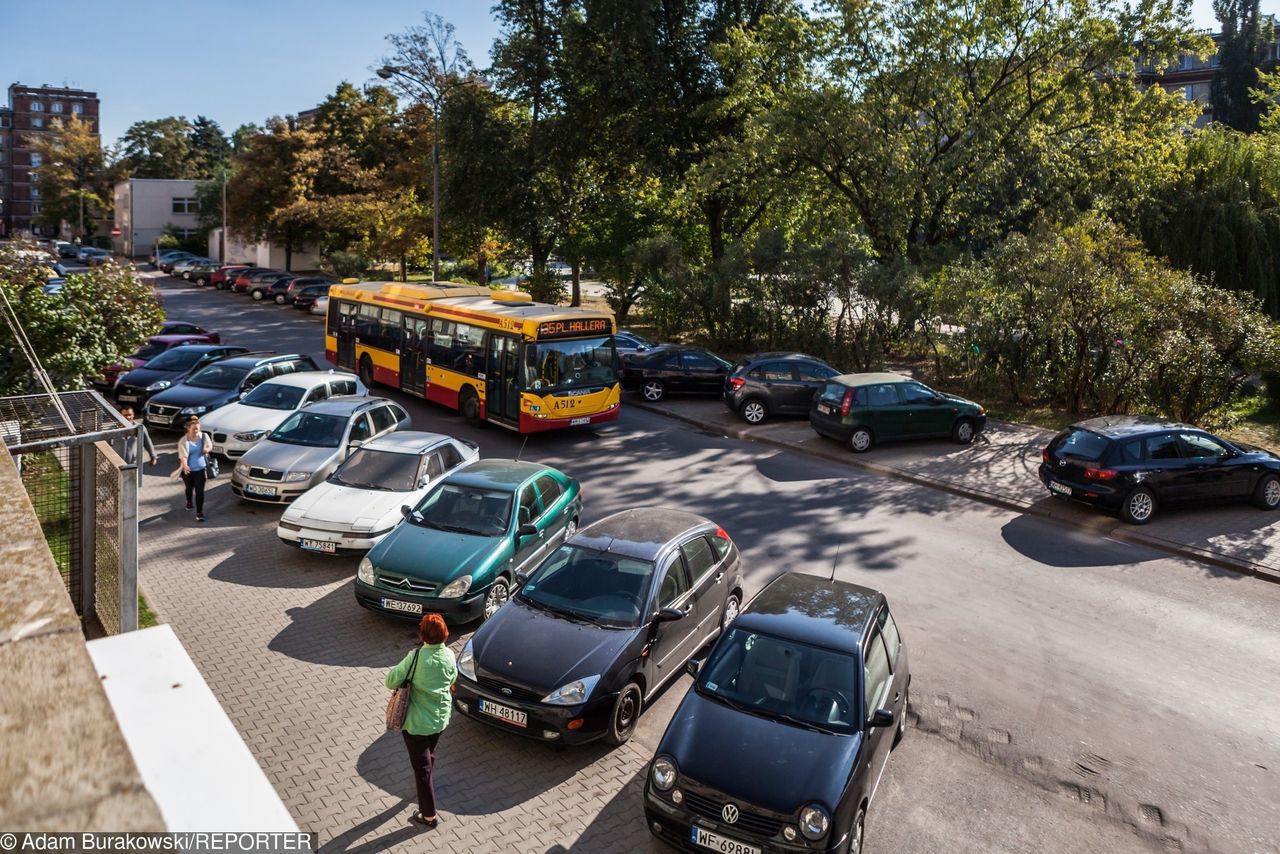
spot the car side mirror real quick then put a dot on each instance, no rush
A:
(882, 718)
(353, 445)
(692, 666)
(668, 615)
(528, 529)
(521, 578)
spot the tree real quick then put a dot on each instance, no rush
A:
(210, 148)
(158, 148)
(71, 178)
(266, 196)
(1246, 38)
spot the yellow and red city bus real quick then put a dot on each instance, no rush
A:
(493, 355)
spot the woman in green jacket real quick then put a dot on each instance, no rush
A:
(430, 703)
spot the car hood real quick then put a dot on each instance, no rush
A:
(143, 377)
(237, 418)
(1260, 453)
(526, 646)
(346, 505)
(768, 763)
(283, 457)
(187, 395)
(961, 401)
(437, 556)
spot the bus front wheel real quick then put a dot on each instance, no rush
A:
(469, 405)
(366, 371)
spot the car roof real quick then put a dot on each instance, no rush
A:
(202, 347)
(813, 610)
(779, 354)
(406, 442)
(1115, 426)
(176, 336)
(344, 404)
(307, 379)
(505, 475)
(642, 533)
(873, 378)
(253, 359)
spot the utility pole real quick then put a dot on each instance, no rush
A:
(222, 255)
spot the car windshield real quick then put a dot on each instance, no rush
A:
(274, 396)
(177, 359)
(597, 586)
(150, 350)
(1080, 445)
(219, 376)
(311, 429)
(368, 468)
(572, 364)
(784, 680)
(467, 510)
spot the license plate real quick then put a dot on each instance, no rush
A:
(578, 422)
(155, 419)
(1061, 488)
(504, 713)
(254, 489)
(716, 842)
(319, 546)
(406, 607)
(128, 398)
(824, 409)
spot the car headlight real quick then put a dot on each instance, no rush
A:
(242, 469)
(663, 773)
(250, 435)
(467, 662)
(455, 588)
(160, 385)
(295, 476)
(193, 410)
(572, 693)
(814, 822)
(364, 571)
(982, 410)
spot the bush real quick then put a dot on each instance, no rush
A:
(347, 264)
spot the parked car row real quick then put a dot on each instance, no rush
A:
(260, 283)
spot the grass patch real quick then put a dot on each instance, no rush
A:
(146, 617)
(48, 486)
(1255, 420)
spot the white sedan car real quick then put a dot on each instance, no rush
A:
(239, 426)
(360, 502)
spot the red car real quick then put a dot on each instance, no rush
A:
(182, 327)
(223, 277)
(244, 279)
(155, 345)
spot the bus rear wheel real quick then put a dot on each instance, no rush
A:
(366, 371)
(469, 405)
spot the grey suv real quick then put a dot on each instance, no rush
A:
(309, 445)
(766, 384)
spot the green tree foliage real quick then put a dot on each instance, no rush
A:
(72, 177)
(157, 148)
(100, 316)
(1246, 37)
(267, 195)
(210, 148)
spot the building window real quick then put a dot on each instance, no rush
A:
(35, 207)
(57, 106)
(185, 204)
(37, 107)
(37, 159)
(35, 192)
(37, 122)
(77, 108)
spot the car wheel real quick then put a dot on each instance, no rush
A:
(626, 711)
(366, 371)
(469, 405)
(754, 411)
(860, 440)
(200, 282)
(963, 431)
(279, 299)
(1266, 495)
(856, 834)
(731, 607)
(257, 295)
(499, 592)
(653, 390)
(902, 722)
(1139, 506)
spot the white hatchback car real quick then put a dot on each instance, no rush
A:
(239, 426)
(360, 502)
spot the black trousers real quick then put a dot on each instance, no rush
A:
(195, 485)
(422, 756)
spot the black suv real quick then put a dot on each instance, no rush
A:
(780, 743)
(1134, 464)
(218, 384)
(768, 384)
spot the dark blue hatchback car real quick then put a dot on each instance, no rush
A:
(781, 741)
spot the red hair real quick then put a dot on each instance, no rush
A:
(432, 629)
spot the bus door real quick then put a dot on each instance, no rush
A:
(502, 380)
(413, 355)
(346, 335)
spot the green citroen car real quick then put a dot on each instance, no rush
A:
(859, 410)
(459, 550)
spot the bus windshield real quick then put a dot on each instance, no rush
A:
(579, 363)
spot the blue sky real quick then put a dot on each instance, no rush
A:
(234, 61)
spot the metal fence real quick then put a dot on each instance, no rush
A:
(69, 453)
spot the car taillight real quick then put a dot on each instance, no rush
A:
(1044, 455)
(736, 383)
(1100, 474)
(847, 403)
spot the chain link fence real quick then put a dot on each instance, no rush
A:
(69, 452)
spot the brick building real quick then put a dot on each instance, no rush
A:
(32, 110)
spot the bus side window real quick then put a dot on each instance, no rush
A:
(441, 342)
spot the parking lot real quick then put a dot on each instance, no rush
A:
(999, 723)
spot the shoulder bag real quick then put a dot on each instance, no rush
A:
(398, 703)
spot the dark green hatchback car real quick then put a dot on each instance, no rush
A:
(459, 550)
(859, 410)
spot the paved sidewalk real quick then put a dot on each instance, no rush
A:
(1000, 468)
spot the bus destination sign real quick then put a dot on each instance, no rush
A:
(574, 328)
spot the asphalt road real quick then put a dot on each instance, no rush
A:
(1069, 693)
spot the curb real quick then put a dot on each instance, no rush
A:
(1099, 524)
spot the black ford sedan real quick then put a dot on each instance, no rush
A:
(782, 740)
(605, 621)
(1134, 465)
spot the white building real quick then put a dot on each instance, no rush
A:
(144, 207)
(264, 254)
